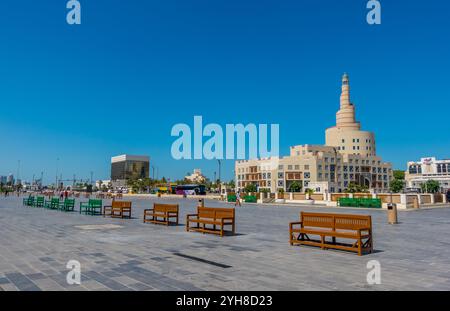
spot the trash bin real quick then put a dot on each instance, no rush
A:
(201, 203)
(392, 213)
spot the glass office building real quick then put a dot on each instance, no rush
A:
(126, 167)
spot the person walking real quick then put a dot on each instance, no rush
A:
(238, 199)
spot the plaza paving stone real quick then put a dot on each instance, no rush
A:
(36, 244)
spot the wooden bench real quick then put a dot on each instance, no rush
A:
(119, 209)
(212, 216)
(161, 214)
(346, 227)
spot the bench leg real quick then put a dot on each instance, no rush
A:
(359, 247)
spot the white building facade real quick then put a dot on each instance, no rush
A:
(426, 169)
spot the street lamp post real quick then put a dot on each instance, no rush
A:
(56, 180)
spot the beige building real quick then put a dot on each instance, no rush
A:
(349, 155)
(196, 177)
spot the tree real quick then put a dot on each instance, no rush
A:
(295, 187)
(355, 188)
(398, 174)
(430, 186)
(231, 184)
(250, 188)
(309, 191)
(397, 185)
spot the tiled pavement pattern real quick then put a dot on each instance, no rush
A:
(36, 244)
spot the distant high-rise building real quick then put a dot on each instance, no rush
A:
(125, 167)
(10, 179)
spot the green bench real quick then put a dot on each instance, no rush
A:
(53, 203)
(360, 202)
(250, 199)
(40, 202)
(68, 205)
(93, 207)
(28, 201)
(231, 198)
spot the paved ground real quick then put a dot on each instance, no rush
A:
(36, 244)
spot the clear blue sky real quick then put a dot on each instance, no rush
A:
(118, 83)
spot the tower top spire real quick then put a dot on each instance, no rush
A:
(345, 79)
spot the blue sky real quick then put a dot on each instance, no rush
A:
(118, 82)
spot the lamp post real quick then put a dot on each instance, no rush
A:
(219, 181)
(56, 180)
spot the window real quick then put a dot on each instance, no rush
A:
(289, 167)
(297, 167)
(307, 175)
(306, 167)
(280, 175)
(280, 167)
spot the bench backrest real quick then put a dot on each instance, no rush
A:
(121, 204)
(158, 207)
(95, 203)
(215, 212)
(319, 220)
(336, 221)
(69, 202)
(353, 222)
